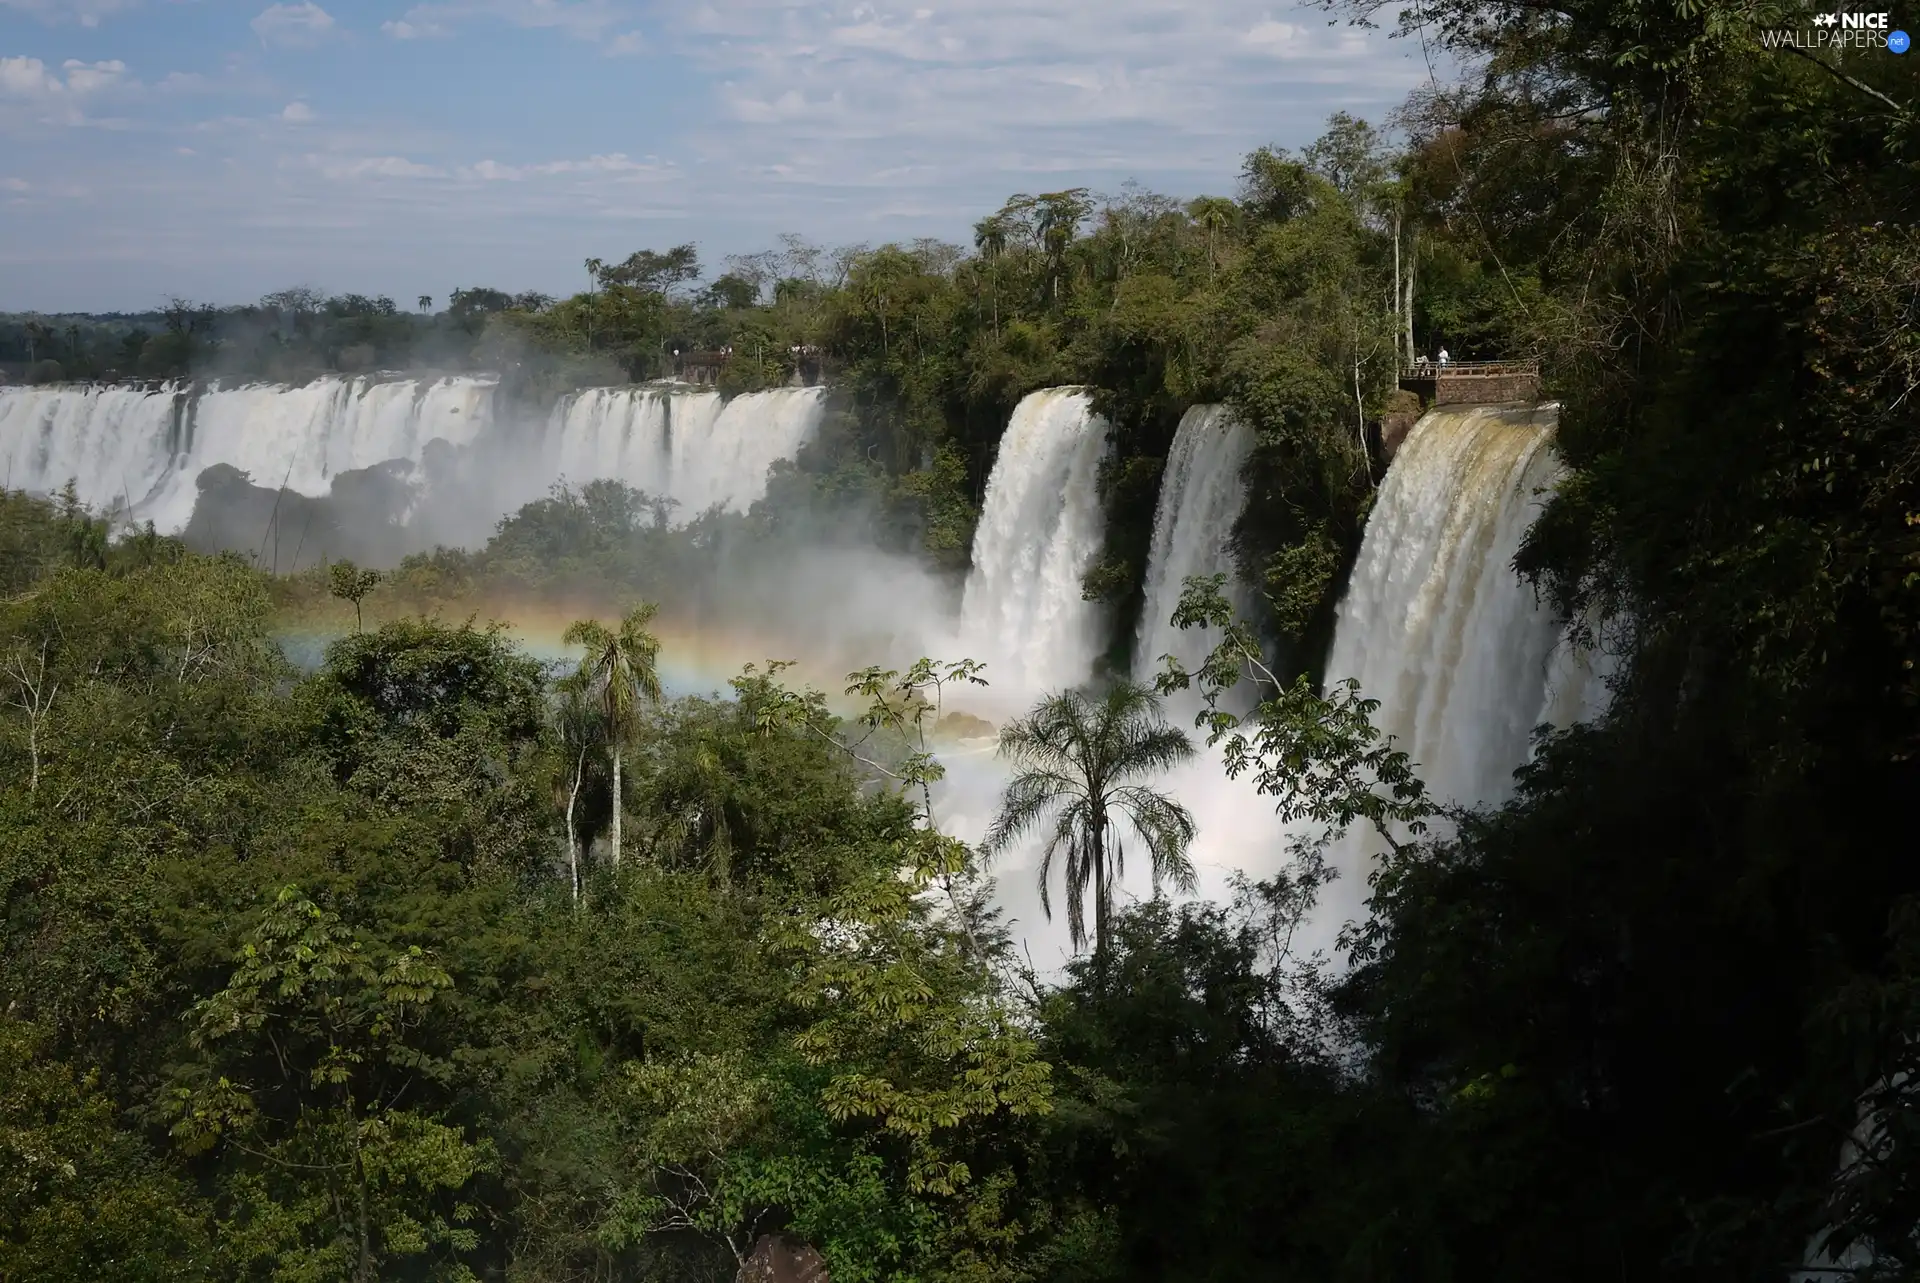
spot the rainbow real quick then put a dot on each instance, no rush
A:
(696, 658)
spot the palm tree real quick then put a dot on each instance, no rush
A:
(1215, 214)
(1058, 221)
(581, 728)
(990, 238)
(426, 302)
(1078, 759)
(596, 269)
(620, 670)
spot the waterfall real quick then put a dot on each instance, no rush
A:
(1200, 498)
(1435, 624)
(687, 446)
(1201, 494)
(1040, 530)
(144, 448)
(114, 443)
(726, 461)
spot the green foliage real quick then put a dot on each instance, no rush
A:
(79, 1197)
(311, 1065)
(1318, 754)
(1653, 1017)
(350, 583)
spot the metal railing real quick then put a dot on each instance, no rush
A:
(1481, 369)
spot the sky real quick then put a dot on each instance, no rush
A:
(220, 149)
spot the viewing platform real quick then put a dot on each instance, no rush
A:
(803, 363)
(699, 367)
(1473, 382)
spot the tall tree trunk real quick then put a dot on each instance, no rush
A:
(363, 1268)
(617, 807)
(1100, 898)
(1406, 309)
(573, 838)
(1396, 277)
(1360, 416)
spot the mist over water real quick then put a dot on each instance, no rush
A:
(1434, 622)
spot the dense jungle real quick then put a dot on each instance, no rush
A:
(426, 958)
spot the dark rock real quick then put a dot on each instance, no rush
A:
(779, 1259)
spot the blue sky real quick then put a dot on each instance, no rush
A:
(219, 149)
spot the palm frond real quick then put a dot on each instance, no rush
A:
(1167, 828)
(1023, 805)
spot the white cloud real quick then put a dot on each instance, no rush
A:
(90, 77)
(1276, 37)
(31, 90)
(581, 19)
(616, 163)
(28, 78)
(961, 104)
(292, 25)
(843, 119)
(87, 13)
(183, 82)
(343, 168)
(419, 29)
(297, 113)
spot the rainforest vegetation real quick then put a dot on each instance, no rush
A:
(337, 973)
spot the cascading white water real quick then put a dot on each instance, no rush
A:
(113, 443)
(143, 449)
(1437, 626)
(727, 462)
(130, 447)
(1200, 498)
(1201, 494)
(301, 437)
(687, 446)
(1040, 530)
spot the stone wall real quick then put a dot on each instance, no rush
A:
(1486, 389)
(1470, 388)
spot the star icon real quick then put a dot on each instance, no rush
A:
(1825, 19)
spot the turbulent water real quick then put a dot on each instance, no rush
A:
(1200, 498)
(139, 452)
(688, 446)
(1040, 530)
